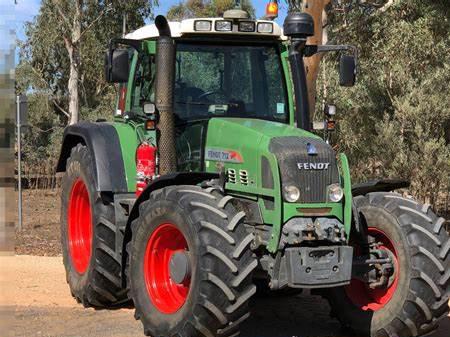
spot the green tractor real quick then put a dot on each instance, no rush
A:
(210, 182)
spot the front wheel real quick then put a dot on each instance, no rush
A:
(417, 292)
(190, 264)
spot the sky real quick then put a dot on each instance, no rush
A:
(25, 10)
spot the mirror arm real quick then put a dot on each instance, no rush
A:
(311, 50)
(136, 44)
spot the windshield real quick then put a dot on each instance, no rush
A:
(229, 81)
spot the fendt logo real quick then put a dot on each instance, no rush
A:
(313, 166)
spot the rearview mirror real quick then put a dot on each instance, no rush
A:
(347, 71)
(117, 66)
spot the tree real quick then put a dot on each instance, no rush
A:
(319, 10)
(77, 32)
(44, 71)
(206, 8)
(393, 122)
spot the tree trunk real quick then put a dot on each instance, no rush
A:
(72, 46)
(316, 8)
(74, 105)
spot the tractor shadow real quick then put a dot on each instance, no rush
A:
(291, 316)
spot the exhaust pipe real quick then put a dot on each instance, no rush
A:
(298, 27)
(165, 76)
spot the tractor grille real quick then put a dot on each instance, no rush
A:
(312, 180)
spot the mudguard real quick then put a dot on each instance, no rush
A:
(177, 178)
(104, 144)
(381, 185)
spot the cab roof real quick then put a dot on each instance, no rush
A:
(187, 27)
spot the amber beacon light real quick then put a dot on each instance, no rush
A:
(272, 10)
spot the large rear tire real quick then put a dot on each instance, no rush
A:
(202, 228)
(88, 236)
(418, 293)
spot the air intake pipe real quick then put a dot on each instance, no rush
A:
(165, 66)
(298, 27)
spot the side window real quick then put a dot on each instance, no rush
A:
(144, 80)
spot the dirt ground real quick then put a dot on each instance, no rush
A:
(41, 233)
(37, 302)
(40, 300)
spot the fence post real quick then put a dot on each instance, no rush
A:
(19, 162)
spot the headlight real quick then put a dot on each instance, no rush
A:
(335, 193)
(202, 26)
(291, 193)
(224, 26)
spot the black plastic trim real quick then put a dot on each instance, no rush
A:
(379, 185)
(103, 142)
(177, 178)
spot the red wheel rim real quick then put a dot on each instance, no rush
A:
(80, 227)
(166, 295)
(375, 299)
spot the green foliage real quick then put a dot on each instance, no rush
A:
(394, 123)
(43, 71)
(206, 8)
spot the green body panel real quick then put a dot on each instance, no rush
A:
(128, 143)
(285, 64)
(130, 81)
(345, 169)
(251, 139)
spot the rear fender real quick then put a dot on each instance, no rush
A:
(103, 143)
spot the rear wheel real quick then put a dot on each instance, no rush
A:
(417, 292)
(88, 235)
(190, 265)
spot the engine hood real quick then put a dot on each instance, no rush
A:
(249, 133)
(241, 146)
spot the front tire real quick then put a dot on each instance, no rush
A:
(210, 297)
(419, 292)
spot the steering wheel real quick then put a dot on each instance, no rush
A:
(208, 93)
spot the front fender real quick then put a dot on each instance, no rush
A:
(379, 185)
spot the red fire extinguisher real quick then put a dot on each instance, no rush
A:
(145, 165)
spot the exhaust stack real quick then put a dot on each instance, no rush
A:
(165, 75)
(298, 27)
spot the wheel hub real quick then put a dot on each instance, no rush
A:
(180, 270)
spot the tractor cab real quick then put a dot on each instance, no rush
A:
(223, 68)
